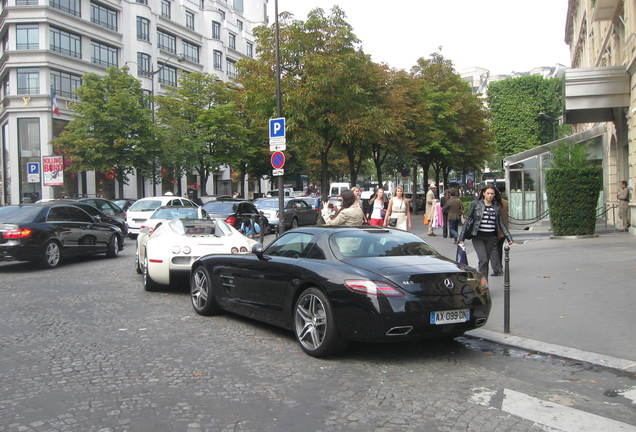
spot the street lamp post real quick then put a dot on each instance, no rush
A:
(279, 110)
(152, 102)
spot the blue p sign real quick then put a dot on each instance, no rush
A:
(33, 167)
(277, 127)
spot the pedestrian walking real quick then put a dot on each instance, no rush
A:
(454, 209)
(443, 201)
(430, 207)
(623, 206)
(378, 206)
(397, 213)
(481, 226)
(349, 214)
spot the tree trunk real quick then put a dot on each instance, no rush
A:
(437, 178)
(446, 171)
(324, 174)
(120, 175)
(426, 168)
(353, 175)
(414, 191)
(203, 180)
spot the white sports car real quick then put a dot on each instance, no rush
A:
(173, 246)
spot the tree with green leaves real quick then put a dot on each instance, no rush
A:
(111, 129)
(524, 112)
(202, 125)
(317, 85)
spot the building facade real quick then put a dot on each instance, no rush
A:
(480, 78)
(600, 87)
(47, 45)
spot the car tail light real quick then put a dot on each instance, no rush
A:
(231, 220)
(243, 249)
(149, 228)
(234, 250)
(125, 216)
(483, 285)
(375, 288)
(20, 233)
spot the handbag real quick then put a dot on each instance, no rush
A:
(392, 222)
(460, 255)
(426, 221)
(468, 228)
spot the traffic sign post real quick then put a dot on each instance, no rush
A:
(278, 172)
(33, 172)
(278, 160)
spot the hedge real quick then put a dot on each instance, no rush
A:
(572, 198)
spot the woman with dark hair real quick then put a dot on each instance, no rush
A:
(482, 224)
(377, 208)
(349, 214)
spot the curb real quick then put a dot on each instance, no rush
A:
(557, 350)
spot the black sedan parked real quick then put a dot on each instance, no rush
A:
(48, 232)
(334, 284)
(111, 218)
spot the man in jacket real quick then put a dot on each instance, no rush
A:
(623, 206)
(454, 208)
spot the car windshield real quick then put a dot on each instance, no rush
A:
(88, 209)
(17, 214)
(145, 205)
(378, 243)
(189, 227)
(220, 207)
(267, 204)
(172, 213)
(121, 203)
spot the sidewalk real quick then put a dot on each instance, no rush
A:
(578, 293)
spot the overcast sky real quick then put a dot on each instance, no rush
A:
(500, 35)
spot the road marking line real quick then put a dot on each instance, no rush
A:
(559, 417)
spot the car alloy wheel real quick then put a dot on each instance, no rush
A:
(203, 300)
(52, 255)
(113, 247)
(315, 324)
(311, 321)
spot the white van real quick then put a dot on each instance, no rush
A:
(336, 189)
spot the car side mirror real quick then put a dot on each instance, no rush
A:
(257, 250)
(98, 219)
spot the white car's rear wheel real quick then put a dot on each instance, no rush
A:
(149, 284)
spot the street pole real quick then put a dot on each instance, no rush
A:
(507, 289)
(279, 110)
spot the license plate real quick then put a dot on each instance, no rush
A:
(450, 316)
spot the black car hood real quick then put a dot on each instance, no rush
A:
(428, 275)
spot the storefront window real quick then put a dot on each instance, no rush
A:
(29, 151)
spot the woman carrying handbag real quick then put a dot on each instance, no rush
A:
(484, 219)
(398, 214)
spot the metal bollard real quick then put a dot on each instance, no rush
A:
(507, 289)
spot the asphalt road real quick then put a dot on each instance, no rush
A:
(85, 348)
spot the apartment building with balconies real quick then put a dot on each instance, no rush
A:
(47, 45)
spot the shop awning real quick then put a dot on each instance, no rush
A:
(591, 94)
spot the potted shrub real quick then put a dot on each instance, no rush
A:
(572, 186)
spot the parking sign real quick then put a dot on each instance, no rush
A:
(33, 172)
(277, 127)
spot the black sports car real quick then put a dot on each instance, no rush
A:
(334, 284)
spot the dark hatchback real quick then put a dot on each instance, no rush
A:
(331, 285)
(46, 233)
(234, 211)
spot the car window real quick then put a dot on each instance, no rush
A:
(315, 252)
(57, 214)
(91, 210)
(177, 212)
(175, 202)
(266, 204)
(105, 207)
(302, 205)
(16, 214)
(114, 207)
(378, 243)
(188, 203)
(220, 207)
(76, 214)
(145, 205)
(291, 245)
(290, 204)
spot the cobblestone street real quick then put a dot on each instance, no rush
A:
(85, 348)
